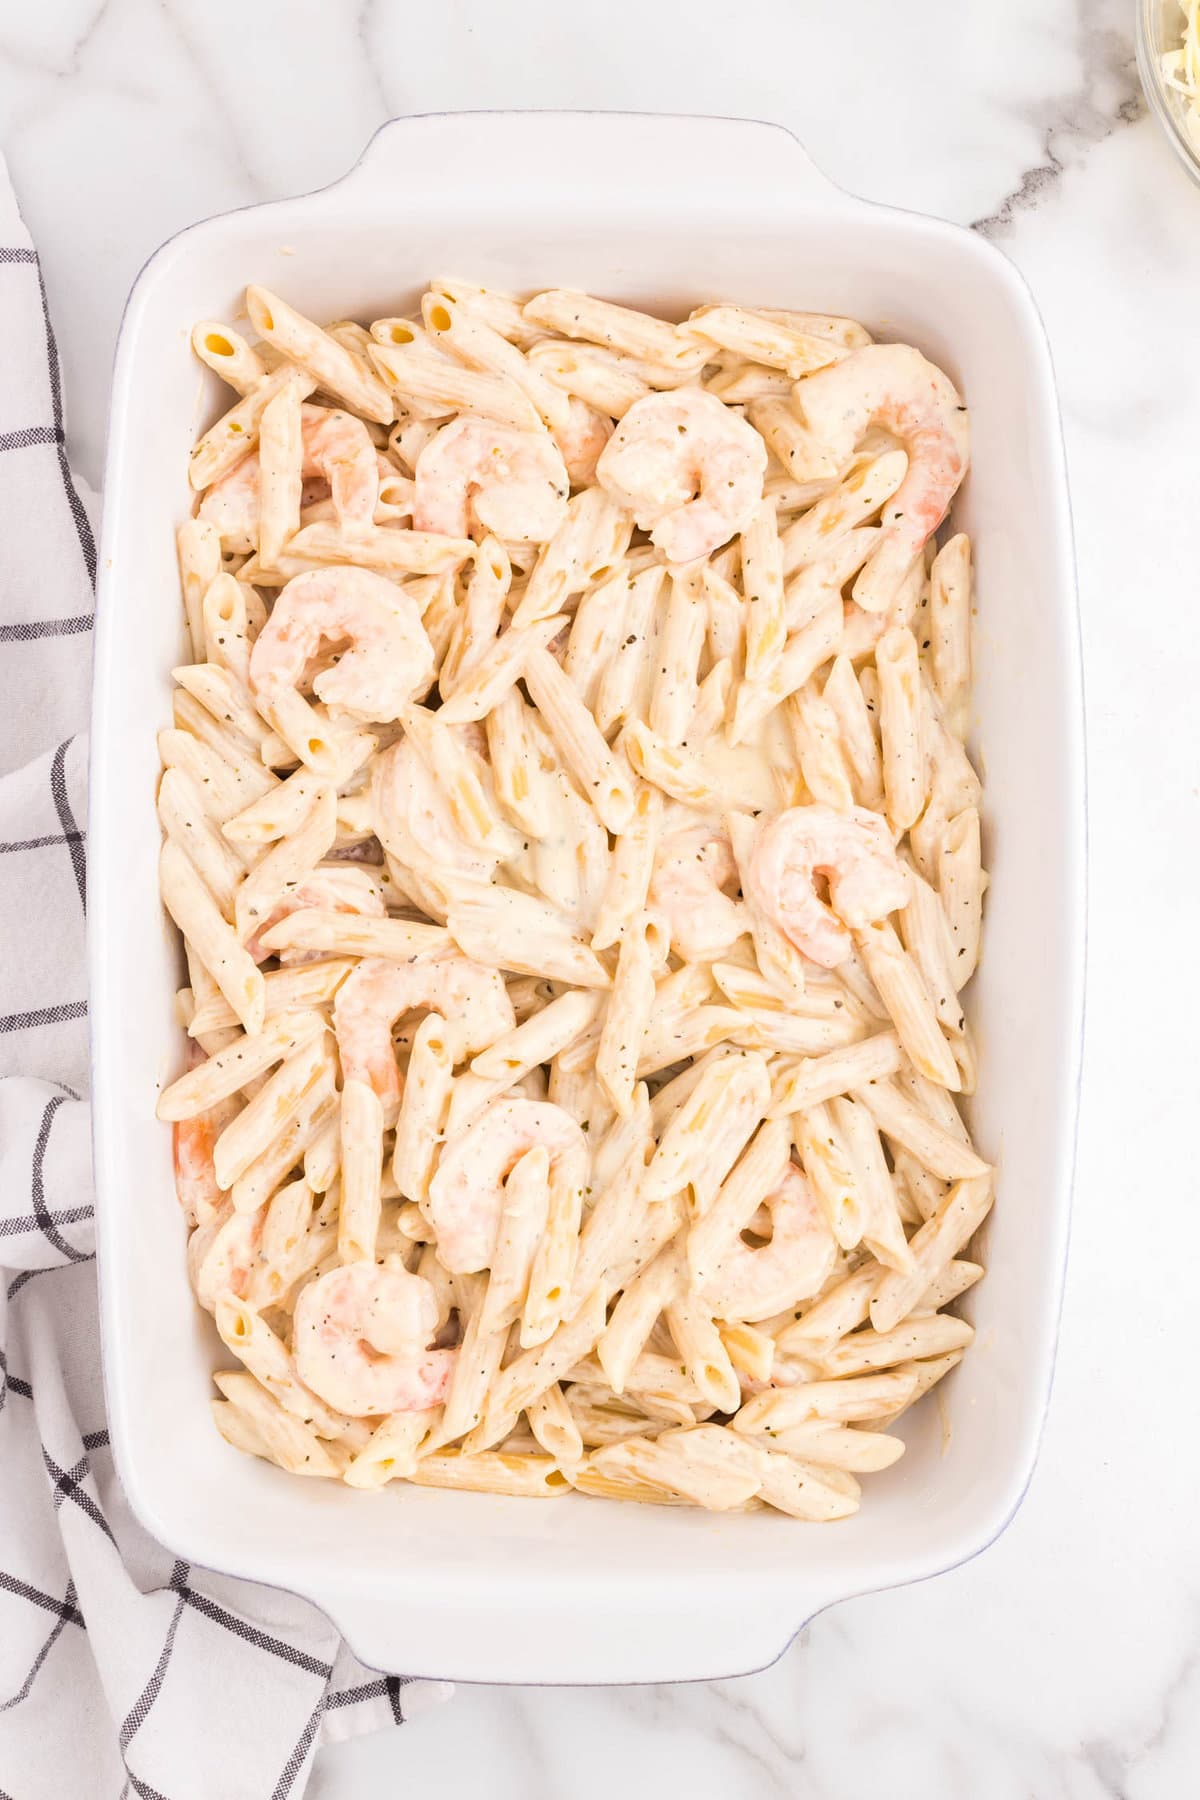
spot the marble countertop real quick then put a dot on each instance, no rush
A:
(1066, 1661)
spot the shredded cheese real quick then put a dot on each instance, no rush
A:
(1181, 68)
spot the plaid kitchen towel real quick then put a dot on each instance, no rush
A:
(123, 1670)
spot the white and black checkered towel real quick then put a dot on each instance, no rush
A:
(122, 1670)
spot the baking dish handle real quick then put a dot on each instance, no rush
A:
(596, 156)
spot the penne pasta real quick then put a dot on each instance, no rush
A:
(574, 1104)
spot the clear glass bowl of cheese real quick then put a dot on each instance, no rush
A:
(1168, 54)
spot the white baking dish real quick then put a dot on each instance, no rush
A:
(662, 212)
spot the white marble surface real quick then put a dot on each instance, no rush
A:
(1065, 1661)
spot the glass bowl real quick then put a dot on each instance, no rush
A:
(1160, 28)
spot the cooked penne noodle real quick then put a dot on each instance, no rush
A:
(236, 433)
(605, 382)
(704, 1138)
(844, 1402)
(522, 1225)
(818, 1078)
(492, 1472)
(199, 919)
(335, 368)
(273, 1432)
(900, 727)
(251, 1134)
(603, 776)
(860, 494)
(228, 355)
(910, 1007)
(520, 776)
(478, 344)
(589, 544)
(548, 1296)
(575, 315)
(842, 1309)
(186, 824)
(934, 1148)
(232, 1068)
(623, 696)
(615, 1222)
(391, 1454)
(554, 1428)
(828, 1166)
(947, 1231)
(950, 629)
(538, 1038)
(362, 1169)
(286, 990)
(758, 1171)
(596, 632)
(224, 697)
(423, 1103)
(316, 1106)
(802, 456)
(501, 311)
(961, 881)
(630, 868)
(482, 689)
(530, 1374)
(416, 371)
(674, 770)
(280, 462)
(624, 1336)
(817, 740)
(702, 1465)
(627, 1010)
(702, 1352)
(930, 943)
(268, 1360)
(926, 1375)
(839, 1446)
(762, 584)
(479, 622)
(282, 870)
(349, 934)
(866, 1350)
(379, 547)
(883, 1231)
(509, 930)
(677, 658)
(765, 338)
(199, 551)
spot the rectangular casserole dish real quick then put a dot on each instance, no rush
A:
(663, 213)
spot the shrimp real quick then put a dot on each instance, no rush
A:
(360, 1337)
(466, 1195)
(471, 998)
(690, 870)
(389, 663)
(582, 440)
(337, 447)
(221, 1254)
(342, 889)
(510, 482)
(192, 1143)
(752, 1284)
(893, 386)
(866, 880)
(689, 469)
